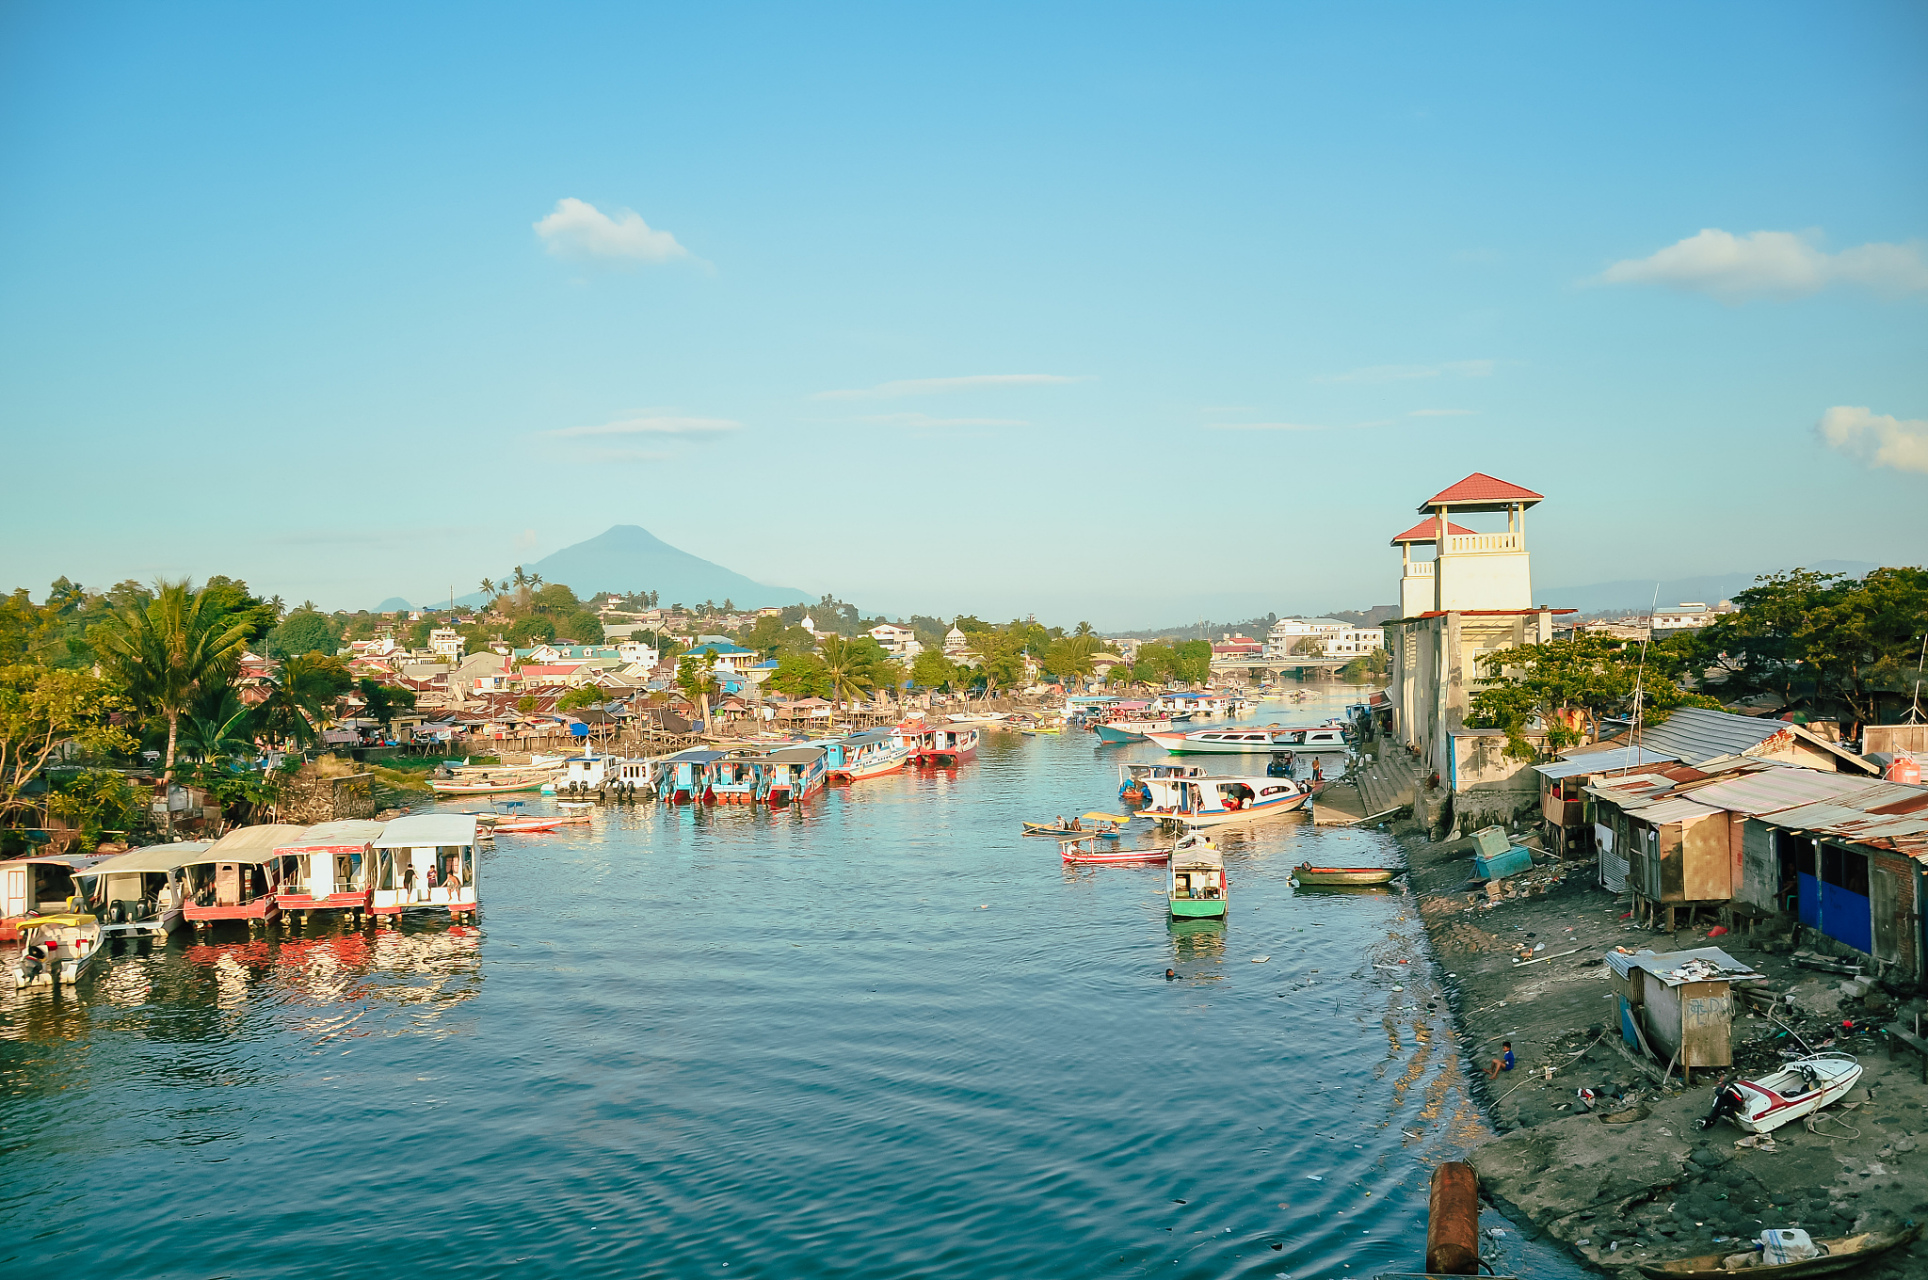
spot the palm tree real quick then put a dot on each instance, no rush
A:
(846, 667)
(218, 728)
(521, 578)
(488, 589)
(302, 701)
(169, 651)
(535, 580)
(278, 607)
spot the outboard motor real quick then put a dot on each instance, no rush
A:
(1728, 1101)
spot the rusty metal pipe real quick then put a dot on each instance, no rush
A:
(1452, 1225)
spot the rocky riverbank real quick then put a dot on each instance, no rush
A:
(1653, 1185)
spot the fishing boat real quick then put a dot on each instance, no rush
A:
(1802, 1086)
(584, 775)
(794, 775)
(1195, 884)
(57, 950)
(943, 746)
(426, 862)
(736, 779)
(1086, 851)
(1251, 741)
(1838, 1254)
(1132, 777)
(332, 867)
(1310, 876)
(139, 893)
(1106, 830)
(239, 877)
(874, 753)
(636, 779)
(1212, 800)
(39, 885)
(1129, 722)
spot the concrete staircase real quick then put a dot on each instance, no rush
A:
(1389, 781)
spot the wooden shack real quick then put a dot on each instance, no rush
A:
(1679, 1005)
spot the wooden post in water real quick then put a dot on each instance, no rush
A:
(1452, 1224)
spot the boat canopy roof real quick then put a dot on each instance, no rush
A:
(249, 844)
(695, 755)
(356, 833)
(154, 857)
(1198, 857)
(428, 828)
(795, 755)
(60, 922)
(869, 736)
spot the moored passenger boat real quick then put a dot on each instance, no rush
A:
(871, 754)
(1195, 883)
(1256, 740)
(736, 778)
(140, 892)
(686, 775)
(239, 877)
(793, 775)
(426, 862)
(944, 746)
(39, 885)
(1210, 800)
(332, 866)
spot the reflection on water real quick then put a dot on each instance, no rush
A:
(879, 1034)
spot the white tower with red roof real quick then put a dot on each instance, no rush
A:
(1469, 571)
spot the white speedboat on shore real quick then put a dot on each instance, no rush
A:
(1803, 1086)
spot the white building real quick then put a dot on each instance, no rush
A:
(1287, 634)
(635, 652)
(956, 643)
(1353, 641)
(1683, 617)
(898, 642)
(447, 642)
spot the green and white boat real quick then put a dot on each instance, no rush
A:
(1195, 885)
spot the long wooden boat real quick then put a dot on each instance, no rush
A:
(1051, 829)
(533, 826)
(1307, 874)
(1843, 1253)
(1087, 852)
(426, 862)
(1196, 885)
(1207, 801)
(240, 876)
(942, 746)
(457, 787)
(333, 867)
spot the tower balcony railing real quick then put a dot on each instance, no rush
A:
(1460, 544)
(1419, 568)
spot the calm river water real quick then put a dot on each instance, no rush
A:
(882, 1035)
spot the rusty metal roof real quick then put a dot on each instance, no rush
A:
(1853, 818)
(1770, 790)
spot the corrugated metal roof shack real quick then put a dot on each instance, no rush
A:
(1681, 1002)
(1563, 799)
(1677, 850)
(1858, 863)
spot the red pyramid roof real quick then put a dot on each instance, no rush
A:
(1481, 490)
(1427, 530)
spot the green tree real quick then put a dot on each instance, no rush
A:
(96, 801)
(43, 709)
(218, 727)
(1863, 636)
(381, 701)
(799, 675)
(583, 695)
(303, 631)
(584, 627)
(1568, 686)
(1193, 661)
(165, 651)
(849, 667)
(695, 676)
(931, 669)
(530, 631)
(1070, 657)
(1760, 647)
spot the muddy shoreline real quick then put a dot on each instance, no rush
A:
(1656, 1187)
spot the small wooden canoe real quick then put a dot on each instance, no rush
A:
(1842, 1254)
(1307, 874)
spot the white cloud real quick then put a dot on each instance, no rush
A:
(578, 229)
(1442, 413)
(925, 420)
(1772, 264)
(653, 425)
(1407, 372)
(941, 386)
(1877, 439)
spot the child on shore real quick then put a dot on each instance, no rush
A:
(1502, 1063)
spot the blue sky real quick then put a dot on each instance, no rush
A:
(1129, 313)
